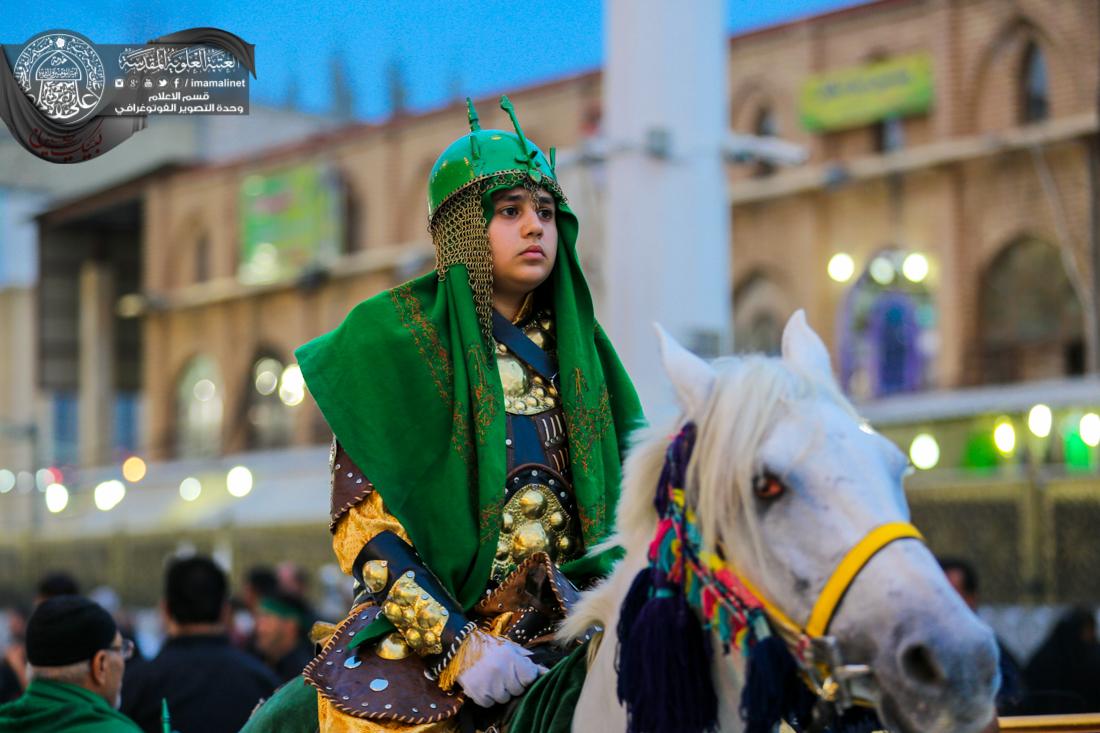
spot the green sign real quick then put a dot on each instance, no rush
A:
(864, 94)
(290, 219)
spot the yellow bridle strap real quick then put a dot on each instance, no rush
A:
(837, 584)
(772, 611)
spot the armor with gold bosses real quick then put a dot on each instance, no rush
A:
(537, 517)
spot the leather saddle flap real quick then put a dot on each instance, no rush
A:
(364, 685)
(539, 596)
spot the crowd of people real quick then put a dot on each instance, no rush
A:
(1062, 676)
(72, 665)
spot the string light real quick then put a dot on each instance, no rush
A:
(1004, 437)
(190, 489)
(1090, 429)
(238, 481)
(57, 498)
(915, 267)
(924, 452)
(841, 267)
(133, 469)
(108, 495)
(1039, 421)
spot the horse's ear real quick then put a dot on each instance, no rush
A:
(692, 378)
(803, 348)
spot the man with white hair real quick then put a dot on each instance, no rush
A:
(76, 657)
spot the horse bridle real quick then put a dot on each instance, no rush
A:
(818, 654)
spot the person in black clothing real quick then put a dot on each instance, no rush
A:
(55, 584)
(282, 624)
(13, 657)
(1063, 676)
(210, 686)
(964, 579)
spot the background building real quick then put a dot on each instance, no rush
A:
(942, 237)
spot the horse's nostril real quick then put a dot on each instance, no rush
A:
(918, 664)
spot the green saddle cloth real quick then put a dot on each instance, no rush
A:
(548, 705)
(292, 709)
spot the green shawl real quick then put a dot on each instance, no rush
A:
(59, 706)
(411, 390)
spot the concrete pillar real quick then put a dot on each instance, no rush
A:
(97, 363)
(666, 217)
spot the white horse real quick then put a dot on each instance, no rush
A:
(933, 664)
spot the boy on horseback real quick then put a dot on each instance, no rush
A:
(479, 415)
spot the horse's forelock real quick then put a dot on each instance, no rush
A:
(749, 395)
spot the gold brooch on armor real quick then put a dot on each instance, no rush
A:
(534, 520)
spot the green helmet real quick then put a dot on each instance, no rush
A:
(483, 154)
(459, 198)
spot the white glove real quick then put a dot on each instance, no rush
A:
(501, 671)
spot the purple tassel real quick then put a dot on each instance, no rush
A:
(664, 667)
(773, 689)
(640, 591)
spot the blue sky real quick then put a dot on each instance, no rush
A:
(442, 47)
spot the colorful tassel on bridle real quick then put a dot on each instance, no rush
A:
(665, 625)
(664, 656)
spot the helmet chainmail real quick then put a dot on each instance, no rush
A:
(460, 234)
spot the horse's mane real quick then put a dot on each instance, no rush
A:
(748, 395)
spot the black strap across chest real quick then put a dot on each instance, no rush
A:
(505, 332)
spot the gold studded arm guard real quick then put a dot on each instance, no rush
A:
(391, 574)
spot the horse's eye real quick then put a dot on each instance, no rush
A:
(767, 486)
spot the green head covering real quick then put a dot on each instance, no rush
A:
(413, 395)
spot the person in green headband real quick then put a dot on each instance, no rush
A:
(480, 415)
(282, 622)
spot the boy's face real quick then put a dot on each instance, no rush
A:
(523, 237)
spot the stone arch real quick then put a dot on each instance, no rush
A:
(755, 111)
(354, 210)
(198, 402)
(191, 256)
(414, 207)
(1037, 332)
(993, 87)
(761, 306)
(748, 100)
(266, 417)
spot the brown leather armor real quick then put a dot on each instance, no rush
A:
(365, 682)
(349, 485)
